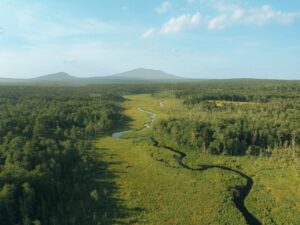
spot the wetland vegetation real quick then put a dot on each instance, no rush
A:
(216, 152)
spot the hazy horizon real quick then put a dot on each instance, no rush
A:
(108, 75)
(205, 39)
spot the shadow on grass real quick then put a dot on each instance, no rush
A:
(99, 204)
(122, 123)
(102, 206)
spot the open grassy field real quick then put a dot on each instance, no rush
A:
(155, 190)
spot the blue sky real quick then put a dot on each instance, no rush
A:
(192, 38)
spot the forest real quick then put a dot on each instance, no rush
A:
(47, 159)
(236, 118)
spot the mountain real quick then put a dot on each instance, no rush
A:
(144, 74)
(56, 77)
(134, 76)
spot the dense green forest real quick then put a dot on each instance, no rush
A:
(236, 118)
(47, 159)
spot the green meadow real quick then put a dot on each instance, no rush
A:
(156, 190)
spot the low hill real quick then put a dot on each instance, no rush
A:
(57, 77)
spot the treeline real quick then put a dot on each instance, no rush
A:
(47, 159)
(236, 118)
(239, 91)
(234, 97)
(236, 136)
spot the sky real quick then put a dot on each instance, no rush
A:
(191, 38)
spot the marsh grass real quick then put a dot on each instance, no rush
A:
(150, 180)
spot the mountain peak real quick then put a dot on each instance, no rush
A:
(145, 74)
(61, 76)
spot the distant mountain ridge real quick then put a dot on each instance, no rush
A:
(139, 75)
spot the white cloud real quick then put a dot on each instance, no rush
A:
(164, 7)
(234, 14)
(226, 15)
(150, 32)
(196, 19)
(266, 14)
(238, 14)
(224, 8)
(177, 24)
(218, 22)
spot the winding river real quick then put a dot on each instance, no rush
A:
(240, 193)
